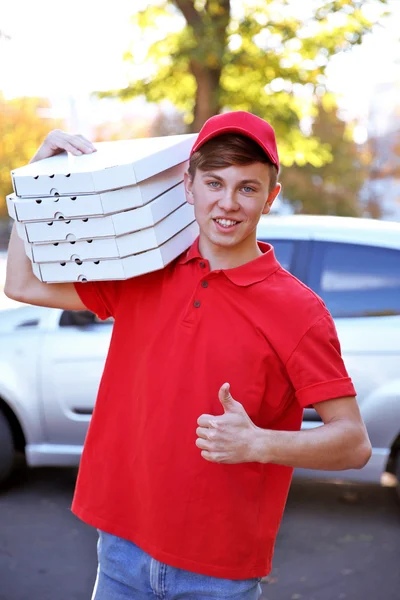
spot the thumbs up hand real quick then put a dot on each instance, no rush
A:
(228, 438)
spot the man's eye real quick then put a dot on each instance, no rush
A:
(213, 184)
(247, 189)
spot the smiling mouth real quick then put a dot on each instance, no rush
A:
(226, 222)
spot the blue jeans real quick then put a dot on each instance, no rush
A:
(127, 573)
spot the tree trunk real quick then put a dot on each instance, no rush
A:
(207, 101)
(209, 27)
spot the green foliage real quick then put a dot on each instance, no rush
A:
(265, 56)
(332, 189)
(22, 130)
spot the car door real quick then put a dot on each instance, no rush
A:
(360, 284)
(74, 353)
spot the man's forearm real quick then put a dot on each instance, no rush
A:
(330, 447)
(19, 269)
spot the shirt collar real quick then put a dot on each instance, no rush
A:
(252, 272)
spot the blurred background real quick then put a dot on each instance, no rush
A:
(326, 75)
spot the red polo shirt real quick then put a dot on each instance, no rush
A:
(179, 334)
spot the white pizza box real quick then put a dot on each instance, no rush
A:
(94, 205)
(118, 268)
(114, 165)
(89, 228)
(114, 247)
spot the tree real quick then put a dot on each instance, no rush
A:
(265, 56)
(334, 188)
(22, 130)
(381, 192)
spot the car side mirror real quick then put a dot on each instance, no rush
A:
(77, 318)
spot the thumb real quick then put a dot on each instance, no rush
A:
(225, 398)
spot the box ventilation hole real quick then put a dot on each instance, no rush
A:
(68, 175)
(49, 224)
(73, 198)
(96, 262)
(51, 176)
(89, 241)
(63, 264)
(55, 243)
(38, 201)
(36, 177)
(82, 278)
(85, 220)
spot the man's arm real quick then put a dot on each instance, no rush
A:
(340, 443)
(21, 284)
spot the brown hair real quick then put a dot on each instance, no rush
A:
(230, 149)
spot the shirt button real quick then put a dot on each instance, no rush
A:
(202, 264)
(204, 284)
(196, 304)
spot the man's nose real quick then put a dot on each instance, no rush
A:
(228, 201)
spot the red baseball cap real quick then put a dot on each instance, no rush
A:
(244, 123)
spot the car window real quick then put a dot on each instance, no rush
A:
(284, 250)
(358, 280)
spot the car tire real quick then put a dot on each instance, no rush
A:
(398, 476)
(7, 449)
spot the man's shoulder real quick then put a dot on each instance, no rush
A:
(286, 290)
(291, 309)
(152, 278)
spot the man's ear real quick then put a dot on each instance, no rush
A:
(188, 181)
(271, 197)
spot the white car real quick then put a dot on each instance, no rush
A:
(51, 360)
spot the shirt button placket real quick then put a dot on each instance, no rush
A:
(204, 284)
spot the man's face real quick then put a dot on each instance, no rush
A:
(229, 202)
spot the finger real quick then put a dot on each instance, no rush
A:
(58, 140)
(205, 432)
(207, 421)
(84, 146)
(225, 397)
(72, 149)
(216, 457)
(71, 143)
(87, 142)
(203, 444)
(207, 455)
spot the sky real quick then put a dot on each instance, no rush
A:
(75, 47)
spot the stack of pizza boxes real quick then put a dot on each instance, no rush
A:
(113, 214)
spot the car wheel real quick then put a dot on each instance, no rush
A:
(7, 449)
(398, 476)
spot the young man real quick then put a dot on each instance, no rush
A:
(195, 432)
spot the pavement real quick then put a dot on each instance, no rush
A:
(336, 542)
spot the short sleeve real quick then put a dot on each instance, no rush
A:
(100, 297)
(316, 368)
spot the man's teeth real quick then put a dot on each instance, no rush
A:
(226, 222)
